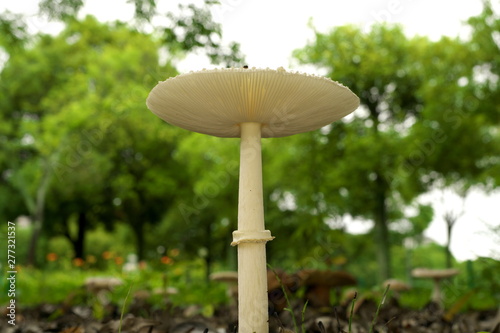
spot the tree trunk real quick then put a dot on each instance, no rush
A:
(139, 235)
(451, 218)
(448, 251)
(79, 242)
(382, 231)
(35, 235)
(380, 211)
(208, 257)
(38, 214)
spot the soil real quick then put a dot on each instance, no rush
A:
(146, 318)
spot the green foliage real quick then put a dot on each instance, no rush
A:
(13, 32)
(72, 140)
(144, 9)
(65, 284)
(22, 237)
(194, 28)
(407, 137)
(60, 10)
(368, 149)
(421, 220)
(36, 287)
(480, 276)
(190, 29)
(81, 151)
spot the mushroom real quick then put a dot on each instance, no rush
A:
(132, 263)
(251, 104)
(279, 283)
(318, 284)
(436, 275)
(231, 279)
(96, 285)
(102, 286)
(165, 291)
(396, 286)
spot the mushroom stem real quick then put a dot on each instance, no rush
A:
(436, 292)
(251, 236)
(251, 203)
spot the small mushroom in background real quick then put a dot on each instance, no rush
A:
(396, 288)
(129, 323)
(97, 284)
(101, 286)
(277, 280)
(350, 296)
(319, 283)
(132, 263)
(165, 291)
(436, 275)
(142, 295)
(231, 279)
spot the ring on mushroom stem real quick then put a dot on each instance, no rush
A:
(251, 104)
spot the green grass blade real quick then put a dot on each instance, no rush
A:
(303, 317)
(123, 309)
(352, 310)
(378, 308)
(289, 309)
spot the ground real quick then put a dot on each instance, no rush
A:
(147, 318)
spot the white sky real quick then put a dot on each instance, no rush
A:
(268, 31)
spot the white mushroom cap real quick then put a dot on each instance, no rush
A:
(216, 101)
(434, 273)
(231, 279)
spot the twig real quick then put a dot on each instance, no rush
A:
(321, 327)
(338, 321)
(389, 321)
(275, 314)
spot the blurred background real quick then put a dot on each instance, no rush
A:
(98, 185)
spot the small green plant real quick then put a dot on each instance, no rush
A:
(378, 308)
(303, 316)
(123, 309)
(289, 305)
(352, 310)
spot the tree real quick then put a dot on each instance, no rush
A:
(89, 57)
(365, 151)
(460, 116)
(57, 133)
(408, 133)
(27, 166)
(190, 29)
(485, 84)
(128, 147)
(205, 211)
